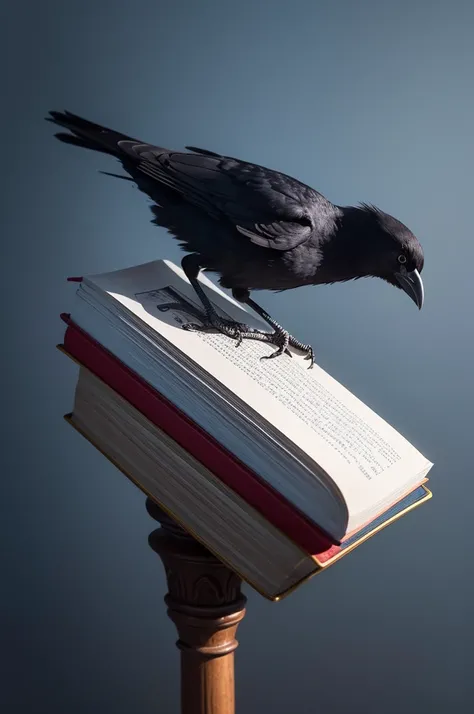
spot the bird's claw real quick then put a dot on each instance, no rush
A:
(306, 349)
(235, 330)
(239, 332)
(310, 356)
(281, 340)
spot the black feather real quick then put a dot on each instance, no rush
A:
(124, 178)
(204, 152)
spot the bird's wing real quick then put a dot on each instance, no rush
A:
(269, 208)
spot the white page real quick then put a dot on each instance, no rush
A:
(365, 456)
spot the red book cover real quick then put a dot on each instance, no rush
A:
(201, 445)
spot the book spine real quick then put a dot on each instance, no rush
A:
(167, 417)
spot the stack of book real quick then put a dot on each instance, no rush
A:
(277, 469)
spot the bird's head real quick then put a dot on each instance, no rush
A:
(400, 260)
(381, 246)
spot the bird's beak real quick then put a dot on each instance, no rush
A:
(412, 284)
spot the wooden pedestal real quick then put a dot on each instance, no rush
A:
(205, 603)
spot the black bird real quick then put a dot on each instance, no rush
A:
(257, 228)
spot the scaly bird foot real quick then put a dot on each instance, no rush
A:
(207, 323)
(307, 349)
(280, 336)
(238, 330)
(235, 330)
(282, 339)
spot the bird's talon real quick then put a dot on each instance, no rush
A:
(310, 357)
(277, 353)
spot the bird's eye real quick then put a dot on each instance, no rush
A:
(402, 259)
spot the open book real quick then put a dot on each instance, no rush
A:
(304, 435)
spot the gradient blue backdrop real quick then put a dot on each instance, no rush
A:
(366, 101)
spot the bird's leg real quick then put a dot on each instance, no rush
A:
(280, 336)
(236, 330)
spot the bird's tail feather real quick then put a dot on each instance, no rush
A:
(86, 134)
(125, 178)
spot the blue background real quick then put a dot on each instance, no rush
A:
(366, 101)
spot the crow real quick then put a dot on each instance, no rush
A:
(257, 228)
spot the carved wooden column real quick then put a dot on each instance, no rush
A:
(205, 603)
